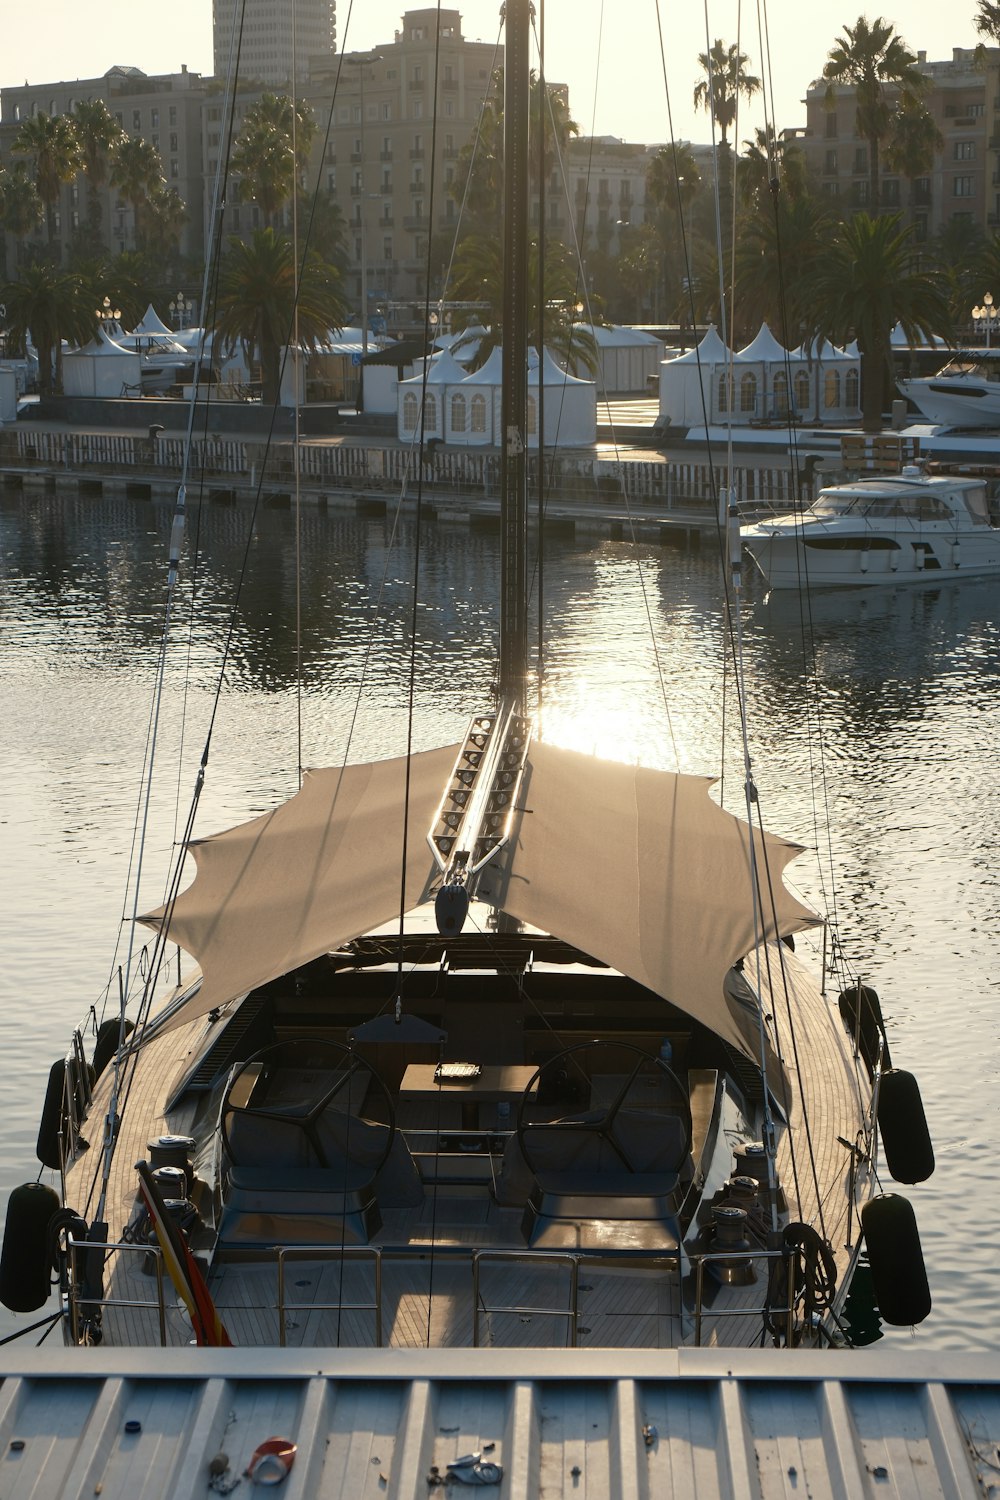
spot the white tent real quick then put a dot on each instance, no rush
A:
(101, 368)
(152, 326)
(689, 384)
(762, 377)
(625, 357)
(832, 377)
(570, 407)
(427, 394)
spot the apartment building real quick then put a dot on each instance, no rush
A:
(274, 40)
(962, 184)
(165, 108)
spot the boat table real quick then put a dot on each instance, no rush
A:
(497, 1083)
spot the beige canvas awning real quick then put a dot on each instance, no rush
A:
(320, 869)
(639, 868)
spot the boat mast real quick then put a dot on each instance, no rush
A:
(514, 387)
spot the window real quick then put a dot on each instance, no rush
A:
(418, 74)
(963, 187)
(331, 182)
(356, 114)
(418, 109)
(387, 111)
(964, 151)
(532, 416)
(137, 119)
(174, 168)
(458, 413)
(371, 112)
(852, 388)
(478, 413)
(861, 191)
(173, 141)
(831, 390)
(387, 247)
(830, 162)
(780, 394)
(409, 412)
(154, 119)
(802, 391)
(449, 73)
(748, 393)
(861, 158)
(430, 410)
(172, 115)
(449, 107)
(890, 192)
(831, 124)
(724, 392)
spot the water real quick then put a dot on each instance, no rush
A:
(900, 712)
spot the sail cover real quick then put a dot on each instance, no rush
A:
(638, 868)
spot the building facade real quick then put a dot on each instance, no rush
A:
(164, 108)
(962, 184)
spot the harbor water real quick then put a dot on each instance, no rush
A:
(874, 726)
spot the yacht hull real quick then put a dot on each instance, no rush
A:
(794, 556)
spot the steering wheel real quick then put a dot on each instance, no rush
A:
(265, 1068)
(604, 1123)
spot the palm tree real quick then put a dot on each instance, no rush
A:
(769, 157)
(777, 245)
(867, 279)
(477, 276)
(726, 79)
(51, 142)
(137, 173)
(672, 184)
(49, 305)
(165, 214)
(256, 301)
(264, 158)
(98, 133)
(479, 169)
(20, 206)
(874, 60)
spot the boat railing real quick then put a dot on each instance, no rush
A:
(82, 1305)
(152, 1261)
(549, 1259)
(339, 1253)
(785, 1312)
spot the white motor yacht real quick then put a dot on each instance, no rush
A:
(899, 528)
(964, 393)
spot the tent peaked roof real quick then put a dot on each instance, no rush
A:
(554, 374)
(764, 349)
(489, 373)
(711, 351)
(442, 369)
(152, 325)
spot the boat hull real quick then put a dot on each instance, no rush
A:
(794, 556)
(955, 401)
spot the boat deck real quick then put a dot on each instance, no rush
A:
(425, 1253)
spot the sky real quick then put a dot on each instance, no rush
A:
(605, 50)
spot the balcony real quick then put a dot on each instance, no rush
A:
(386, 223)
(416, 221)
(417, 85)
(385, 156)
(417, 154)
(356, 156)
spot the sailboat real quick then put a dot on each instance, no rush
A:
(494, 1044)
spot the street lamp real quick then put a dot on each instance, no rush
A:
(106, 313)
(180, 306)
(984, 316)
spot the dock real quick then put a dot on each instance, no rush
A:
(594, 1425)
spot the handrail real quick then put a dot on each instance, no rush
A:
(700, 1311)
(527, 1257)
(335, 1252)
